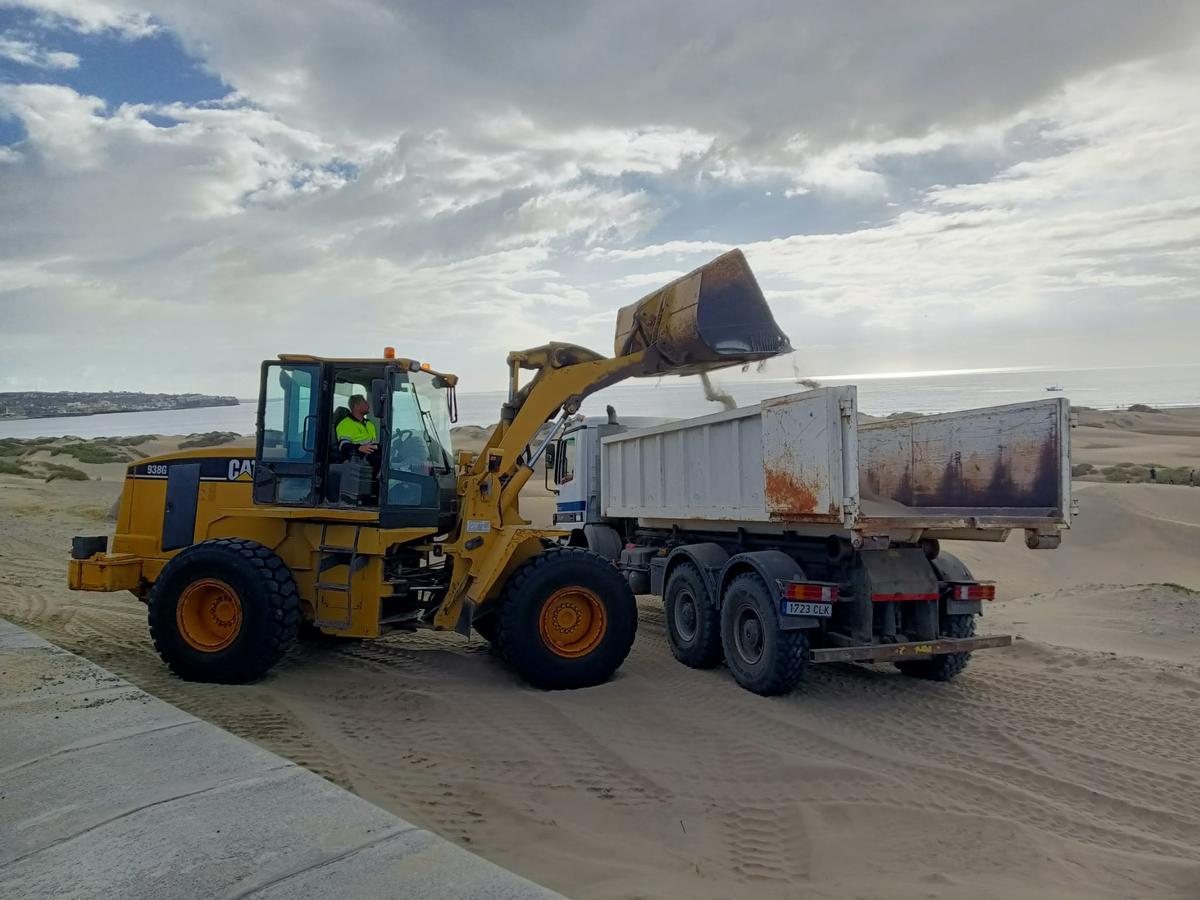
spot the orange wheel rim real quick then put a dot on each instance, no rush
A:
(572, 622)
(209, 615)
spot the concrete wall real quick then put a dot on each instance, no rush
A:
(107, 792)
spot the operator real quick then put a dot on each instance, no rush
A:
(356, 433)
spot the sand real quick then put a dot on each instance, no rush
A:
(1065, 766)
(1169, 438)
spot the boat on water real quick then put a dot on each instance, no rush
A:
(1054, 387)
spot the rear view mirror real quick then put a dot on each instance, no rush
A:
(550, 453)
(378, 396)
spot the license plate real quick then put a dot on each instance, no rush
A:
(804, 608)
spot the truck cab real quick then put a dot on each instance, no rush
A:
(573, 467)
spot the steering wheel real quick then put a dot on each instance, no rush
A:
(402, 435)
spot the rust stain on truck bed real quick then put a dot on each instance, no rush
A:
(789, 495)
(985, 459)
(1021, 475)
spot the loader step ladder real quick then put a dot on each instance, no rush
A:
(332, 556)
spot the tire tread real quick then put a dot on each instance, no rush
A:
(708, 632)
(788, 665)
(279, 589)
(511, 611)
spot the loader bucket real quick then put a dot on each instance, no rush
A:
(713, 317)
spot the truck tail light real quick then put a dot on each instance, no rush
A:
(818, 593)
(982, 591)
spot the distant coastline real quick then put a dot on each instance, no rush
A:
(19, 405)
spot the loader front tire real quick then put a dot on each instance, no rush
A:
(224, 611)
(567, 619)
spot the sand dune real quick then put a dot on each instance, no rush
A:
(1065, 766)
(1124, 534)
(1105, 438)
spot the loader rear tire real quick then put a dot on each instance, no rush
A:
(224, 611)
(567, 619)
(947, 665)
(762, 657)
(693, 620)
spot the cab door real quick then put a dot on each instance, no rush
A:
(570, 478)
(409, 494)
(289, 422)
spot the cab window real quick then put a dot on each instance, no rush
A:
(411, 451)
(565, 462)
(346, 386)
(289, 415)
(289, 431)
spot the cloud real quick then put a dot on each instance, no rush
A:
(27, 53)
(221, 220)
(648, 280)
(89, 16)
(1043, 258)
(753, 72)
(955, 184)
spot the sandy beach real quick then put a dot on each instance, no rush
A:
(1065, 766)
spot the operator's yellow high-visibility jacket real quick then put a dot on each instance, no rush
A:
(350, 429)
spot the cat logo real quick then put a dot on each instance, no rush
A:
(241, 470)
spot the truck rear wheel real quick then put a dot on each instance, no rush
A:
(567, 619)
(224, 611)
(947, 665)
(762, 657)
(693, 620)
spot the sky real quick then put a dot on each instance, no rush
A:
(189, 188)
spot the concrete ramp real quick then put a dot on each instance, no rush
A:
(108, 792)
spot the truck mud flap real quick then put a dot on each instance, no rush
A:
(908, 650)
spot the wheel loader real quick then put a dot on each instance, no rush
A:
(234, 554)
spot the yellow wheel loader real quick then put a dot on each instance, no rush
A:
(235, 553)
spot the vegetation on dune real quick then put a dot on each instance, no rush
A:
(1136, 473)
(209, 439)
(22, 446)
(93, 452)
(1180, 588)
(134, 440)
(12, 468)
(69, 473)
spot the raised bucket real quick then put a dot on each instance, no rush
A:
(713, 317)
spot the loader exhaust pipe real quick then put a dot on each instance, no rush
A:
(711, 318)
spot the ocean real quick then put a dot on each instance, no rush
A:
(1106, 388)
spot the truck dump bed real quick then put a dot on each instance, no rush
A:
(804, 463)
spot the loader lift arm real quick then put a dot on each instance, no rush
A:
(711, 318)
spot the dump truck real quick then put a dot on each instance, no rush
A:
(235, 551)
(796, 531)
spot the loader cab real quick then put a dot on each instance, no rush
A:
(409, 481)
